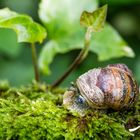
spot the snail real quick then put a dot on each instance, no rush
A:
(102, 88)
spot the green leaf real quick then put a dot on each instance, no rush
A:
(68, 11)
(27, 30)
(66, 34)
(47, 54)
(106, 44)
(109, 44)
(95, 19)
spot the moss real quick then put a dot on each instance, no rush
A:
(34, 112)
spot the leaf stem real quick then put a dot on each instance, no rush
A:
(34, 59)
(82, 55)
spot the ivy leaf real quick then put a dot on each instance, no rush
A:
(47, 54)
(65, 33)
(106, 44)
(62, 21)
(68, 11)
(109, 44)
(27, 30)
(95, 20)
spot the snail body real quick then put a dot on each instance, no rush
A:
(110, 87)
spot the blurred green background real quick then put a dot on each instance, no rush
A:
(16, 62)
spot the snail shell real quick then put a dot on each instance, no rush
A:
(110, 87)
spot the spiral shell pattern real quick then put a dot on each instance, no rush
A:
(109, 87)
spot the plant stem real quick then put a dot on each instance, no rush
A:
(34, 59)
(82, 55)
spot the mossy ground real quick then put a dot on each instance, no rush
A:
(34, 113)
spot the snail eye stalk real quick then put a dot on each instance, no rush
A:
(74, 89)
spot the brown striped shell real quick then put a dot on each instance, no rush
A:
(110, 87)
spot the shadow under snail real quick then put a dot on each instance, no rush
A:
(101, 88)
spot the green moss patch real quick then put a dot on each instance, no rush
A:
(35, 113)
